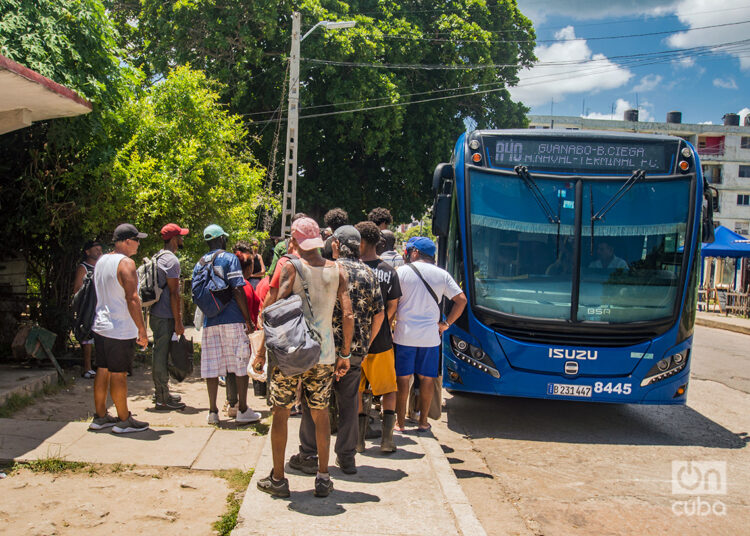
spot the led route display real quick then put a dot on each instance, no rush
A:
(580, 155)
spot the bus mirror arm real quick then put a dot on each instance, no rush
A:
(707, 230)
(442, 171)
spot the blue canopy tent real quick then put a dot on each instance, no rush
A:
(726, 244)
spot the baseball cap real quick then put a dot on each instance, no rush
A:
(348, 236)
(307, 234)
(171, 230)
(90, 244)
(423, 245)
(124, 231)
(213, 231)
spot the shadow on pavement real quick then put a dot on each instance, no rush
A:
(303, 502)
(367, 474)
(528, 419)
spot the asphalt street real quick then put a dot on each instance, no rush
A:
(550, 467)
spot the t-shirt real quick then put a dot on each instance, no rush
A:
(261, 290)
(278, 250)
(276, 279)
(417, 315)
(392, 258)
(390, 289)
(614, 263)
(168, 267)
(253, 302)
(229, 268)
(364, 292)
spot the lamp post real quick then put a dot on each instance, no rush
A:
(289, 199)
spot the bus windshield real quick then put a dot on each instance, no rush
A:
(523, 262)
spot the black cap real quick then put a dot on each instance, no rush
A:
(349, 236)
(125, 231)
(90, 244)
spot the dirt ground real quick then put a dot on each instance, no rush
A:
(111, 500)
(116, 500)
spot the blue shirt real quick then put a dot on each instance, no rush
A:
(230, 269)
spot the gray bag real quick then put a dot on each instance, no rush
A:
(295, 344)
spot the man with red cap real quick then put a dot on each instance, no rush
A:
(166, 314)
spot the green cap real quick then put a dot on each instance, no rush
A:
(213, 231)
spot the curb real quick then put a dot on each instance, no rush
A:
(29, 388)
(706, 322)
(467, 522)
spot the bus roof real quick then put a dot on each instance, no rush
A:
(560, 132)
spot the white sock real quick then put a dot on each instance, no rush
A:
(324, 476)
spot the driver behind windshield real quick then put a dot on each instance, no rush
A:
(606, 258)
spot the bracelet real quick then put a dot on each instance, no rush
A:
(345, 356)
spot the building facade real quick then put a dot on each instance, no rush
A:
(724, 152)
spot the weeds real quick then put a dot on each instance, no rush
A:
(238, 482)
(52, 465)
(16, 402)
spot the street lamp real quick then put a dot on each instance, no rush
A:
(289, 199)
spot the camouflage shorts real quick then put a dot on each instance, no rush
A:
(316, 387)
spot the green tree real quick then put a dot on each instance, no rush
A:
(182, 158)
(380, 157)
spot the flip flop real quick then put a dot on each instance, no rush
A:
(399, 429)
(424, 428)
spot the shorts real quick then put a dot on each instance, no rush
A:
(416, 359)
(225, 349)
(316, 387)
(380, 371)
(115, 355)
(90, 341)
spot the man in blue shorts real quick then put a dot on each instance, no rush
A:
(419, 326)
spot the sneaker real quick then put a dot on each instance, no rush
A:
(169, 405)
(247, 416)
(213, 417)
(232, 410)
(100, 423)
(130, 425)
(347, 467)
(305, 464)
(323, 487)
(89, 374)
(277, 488)
(172, 398)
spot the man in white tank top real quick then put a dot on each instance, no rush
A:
(118, 327)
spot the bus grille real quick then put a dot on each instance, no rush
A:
(610, 339)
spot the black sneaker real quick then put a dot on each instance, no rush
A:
(172, 398)
(169, 405)
(277, 488)
(347, 466)
(99, 423)
(305, 464)
(323, 487)
(130, 425)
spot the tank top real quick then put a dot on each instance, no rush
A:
(88, 267)
(323, 285)
(112, 318)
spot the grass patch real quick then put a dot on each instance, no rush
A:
(52, 465)
(238, 482)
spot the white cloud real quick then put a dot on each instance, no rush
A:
(701, 13)
(705, 122)
(619, 112)
(567, 67)
(648, 83)
(743, 115)
(725, 83)
(684, 63)
(592, 9)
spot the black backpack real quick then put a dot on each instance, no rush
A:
(83, 308)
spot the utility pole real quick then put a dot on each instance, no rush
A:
(289, 201)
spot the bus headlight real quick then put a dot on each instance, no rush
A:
(669, 366)
(474, 356)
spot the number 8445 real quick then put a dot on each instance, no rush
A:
(609, 387)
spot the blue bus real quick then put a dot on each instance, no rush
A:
(579, 252)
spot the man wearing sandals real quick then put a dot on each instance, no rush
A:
(419, 326)
(326, 283)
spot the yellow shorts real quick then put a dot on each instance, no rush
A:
(380, 371)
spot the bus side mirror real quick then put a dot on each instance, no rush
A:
(442, 171)
(707, 214)
(441, 215)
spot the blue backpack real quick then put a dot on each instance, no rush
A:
(211, 293)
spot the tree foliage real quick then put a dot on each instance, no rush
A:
(358, 160)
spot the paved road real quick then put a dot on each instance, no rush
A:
(552, 467)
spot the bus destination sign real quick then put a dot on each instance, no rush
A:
(579, 156)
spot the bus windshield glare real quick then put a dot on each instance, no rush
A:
(523, 262)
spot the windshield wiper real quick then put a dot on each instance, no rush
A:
(523, 173)
(637, 175)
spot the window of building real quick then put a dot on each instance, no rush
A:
(712, 174)
(744, 171)
(743, 199)
(742, 227)
(745, 142)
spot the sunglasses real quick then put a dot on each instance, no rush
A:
(135, 239)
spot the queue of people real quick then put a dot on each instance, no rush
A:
(375, 316)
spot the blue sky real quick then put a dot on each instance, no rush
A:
(587, 74)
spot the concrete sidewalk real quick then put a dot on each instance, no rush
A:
(413, 491)
(205, 448)
(720, 321)
(23, 381)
